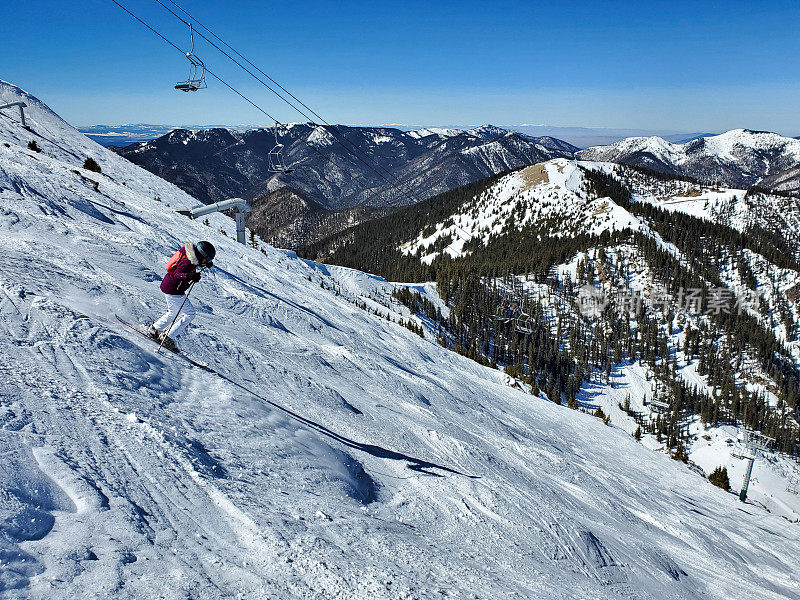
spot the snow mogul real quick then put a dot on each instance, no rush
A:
(182, 274)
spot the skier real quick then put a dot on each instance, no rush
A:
(181, 274)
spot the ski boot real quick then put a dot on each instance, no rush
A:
(168, 343)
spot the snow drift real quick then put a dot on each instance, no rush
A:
(130, 474)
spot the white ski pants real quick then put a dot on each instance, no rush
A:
(174, 302)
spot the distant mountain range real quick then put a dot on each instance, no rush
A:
(123, 135)
(582, 137)
(737, 158)
(392, 167)
(389, 167)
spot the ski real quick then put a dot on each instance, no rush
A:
(192, 362)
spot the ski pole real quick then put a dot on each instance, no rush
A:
(169, 329)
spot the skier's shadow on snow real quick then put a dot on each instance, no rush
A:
(415, 464)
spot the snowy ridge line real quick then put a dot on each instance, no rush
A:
(536, 194)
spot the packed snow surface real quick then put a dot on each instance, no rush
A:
(345, 471)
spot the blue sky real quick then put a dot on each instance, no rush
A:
(686, 66)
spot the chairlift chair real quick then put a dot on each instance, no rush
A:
(523, 323)
(660, 406)
(507, 311)
(510, 311)
(194, 82)
(277, 163)
(760, 441)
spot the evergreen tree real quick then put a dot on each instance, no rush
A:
(90, 164)
(719, 477)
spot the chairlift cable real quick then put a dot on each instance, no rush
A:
(323, 156)
(232, 49)
(343, 140)
(351, 148)
(149, 27)
(245, 98)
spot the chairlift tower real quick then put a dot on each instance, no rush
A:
(793, 485)
(523, 323)
(21, 106)
(748, 448)
(238, 204)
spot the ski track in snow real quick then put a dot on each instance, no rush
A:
(129, 474)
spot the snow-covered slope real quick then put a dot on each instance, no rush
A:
(129, 474)
(739, 157)
(740, 209)
(785, 181)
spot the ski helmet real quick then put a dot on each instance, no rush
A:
(206, 251)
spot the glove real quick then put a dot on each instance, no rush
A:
(195, 277)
